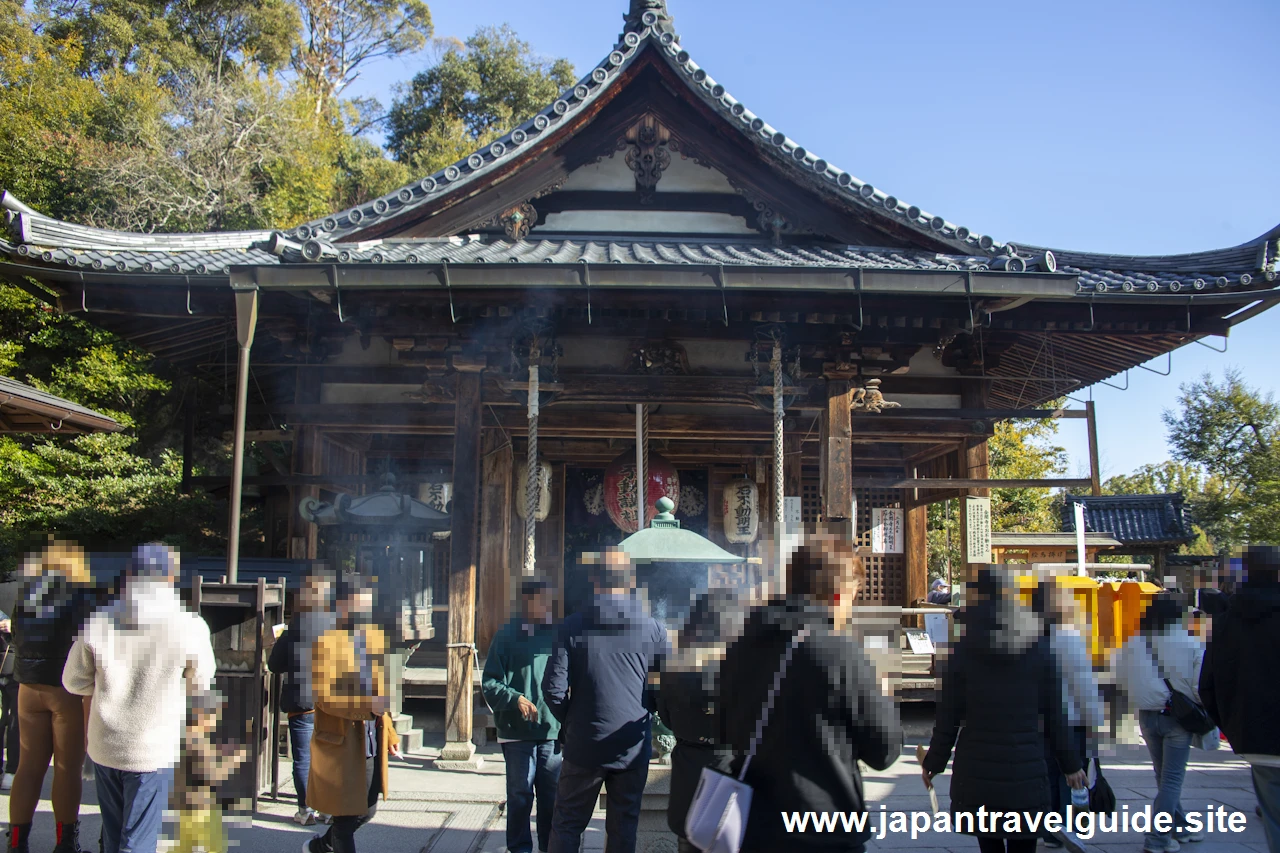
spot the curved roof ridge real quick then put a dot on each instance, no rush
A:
(653, 29)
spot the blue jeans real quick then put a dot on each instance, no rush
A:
(132, 807)
(1266, 784)
(1170, 747)
(533, 767)
(301, 727)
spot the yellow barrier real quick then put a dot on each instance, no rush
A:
(1111, 610)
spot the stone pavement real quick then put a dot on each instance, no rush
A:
(433, 811)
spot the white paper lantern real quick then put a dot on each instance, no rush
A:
(543, 506)
(741, 511)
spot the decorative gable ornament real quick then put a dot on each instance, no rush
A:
(661, 478)
(741, 511)
(542, 507)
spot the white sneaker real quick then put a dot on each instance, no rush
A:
(6, 782)
(304, 817)
(321, 817)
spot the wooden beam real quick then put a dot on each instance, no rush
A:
(1095, 474)
(978, 483)
(462, 570)
(837, 453)
(493, 584)
(916, 544)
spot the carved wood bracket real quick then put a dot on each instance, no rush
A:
(648, 150)
(515, 221)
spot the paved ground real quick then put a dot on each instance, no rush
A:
(437, 812)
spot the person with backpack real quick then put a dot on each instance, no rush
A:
(1001, 685)
(1238, 683)
(1154, 665)
(827, 713)
(689, 701)
(291, 657)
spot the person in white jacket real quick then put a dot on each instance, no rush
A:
(1081, 701)
(1162, 649)
(139, 658)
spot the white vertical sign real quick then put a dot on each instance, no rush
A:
(886, 530)
(977, 525)
(1080, 551)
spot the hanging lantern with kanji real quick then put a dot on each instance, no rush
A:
(436, 495)
(542, 507)
(741, 511)
(661, 480)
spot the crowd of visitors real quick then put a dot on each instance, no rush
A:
(776, 698)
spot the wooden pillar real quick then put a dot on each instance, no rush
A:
(916, 546)
(975, 463)
(836, 459)
(793, 467)
(1095, 472)
(459, 751)
(246, 298)
(495, 535)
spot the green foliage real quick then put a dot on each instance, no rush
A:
(1023, 450)
(475, 93)
(1229, 434)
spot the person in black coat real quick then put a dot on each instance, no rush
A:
(688, 700)
(1237, 680)
(291, 658)
(1001, 684)
(828, 714)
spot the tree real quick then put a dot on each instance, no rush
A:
(1169, 477)
(1231, 433)
(474, 94)
(1023, 450)
(341, 37)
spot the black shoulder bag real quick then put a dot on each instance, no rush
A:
(1189, 713)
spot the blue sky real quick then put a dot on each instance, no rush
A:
(1130, 126)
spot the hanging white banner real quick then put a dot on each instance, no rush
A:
(886, 530)
(977, 520)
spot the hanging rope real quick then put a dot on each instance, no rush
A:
(778, 518)
(531, 489)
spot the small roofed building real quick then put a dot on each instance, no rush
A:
(1054, 548)
(24, 409)
(1145, 525)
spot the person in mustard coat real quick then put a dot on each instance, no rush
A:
(353, 731)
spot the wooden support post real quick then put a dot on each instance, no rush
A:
(246, 323)
(916, 544)
(974, 463)
(459, 753)
(837, 453)
(188, 446)
(495, 535)
(1095, 474)
(793, 467)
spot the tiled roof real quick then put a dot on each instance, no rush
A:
(478, 250)
(1133, 519)
(29, 409)
(652, 30)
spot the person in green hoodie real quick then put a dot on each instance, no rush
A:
(527, 732)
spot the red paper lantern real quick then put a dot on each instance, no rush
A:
(662, 481)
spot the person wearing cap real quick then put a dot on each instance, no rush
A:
(939, 592)
(527, 731)
(9, 750)
(139, 658)
(55, 598)
(354, 733)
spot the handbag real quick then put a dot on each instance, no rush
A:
(1101, 797)
(717, 818)
(1189, 713)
